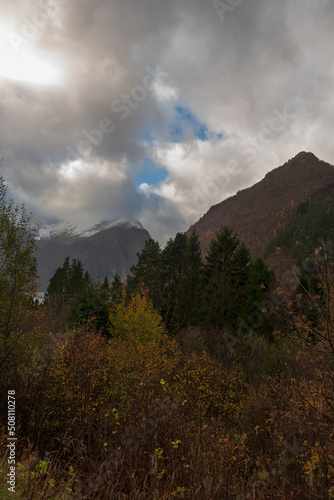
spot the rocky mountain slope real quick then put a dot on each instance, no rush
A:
(255, 213)
(104, 247)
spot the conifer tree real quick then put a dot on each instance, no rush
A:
(172, 258)
(105, 284)
(116, 288)
(58, 284)
(76, 278)
(67, 282)
(190, 287)
(147, 272)
(225, 278)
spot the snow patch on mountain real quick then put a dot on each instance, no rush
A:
(68, 229)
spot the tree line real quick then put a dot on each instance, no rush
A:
(187, 290)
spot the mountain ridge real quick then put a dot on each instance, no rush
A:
(255, 213)
(67, 228)
(105, 247)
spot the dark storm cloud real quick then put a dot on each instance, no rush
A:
(259, 72)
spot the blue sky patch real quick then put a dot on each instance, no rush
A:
(150, 172)
(186, 124)
(149, 135)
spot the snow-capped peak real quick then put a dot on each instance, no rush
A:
(68, 229)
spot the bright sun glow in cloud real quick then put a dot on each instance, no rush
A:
(27, 67)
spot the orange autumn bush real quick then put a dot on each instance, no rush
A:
(142, 406)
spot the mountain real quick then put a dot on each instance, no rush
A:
(104, 247)
(255, 213)
(67, 229)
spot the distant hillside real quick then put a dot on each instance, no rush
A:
(105, 248)
(312, 226)
(256, 213)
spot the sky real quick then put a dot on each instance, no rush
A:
(155, 110)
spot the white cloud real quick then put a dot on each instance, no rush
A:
(265, 58)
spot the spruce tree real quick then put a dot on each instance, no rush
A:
(76, 278)
(105, 284)
(225, 278)
(147, 272)
(171, 274)
(116, 288)
(190, 287)
(57, 290)
(67, 282)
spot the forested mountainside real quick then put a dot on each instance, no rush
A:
(255, 213)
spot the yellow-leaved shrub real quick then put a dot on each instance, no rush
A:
(137, 320)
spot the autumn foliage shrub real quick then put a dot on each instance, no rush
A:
(136, 321)
(137, 415)
(301, 412)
